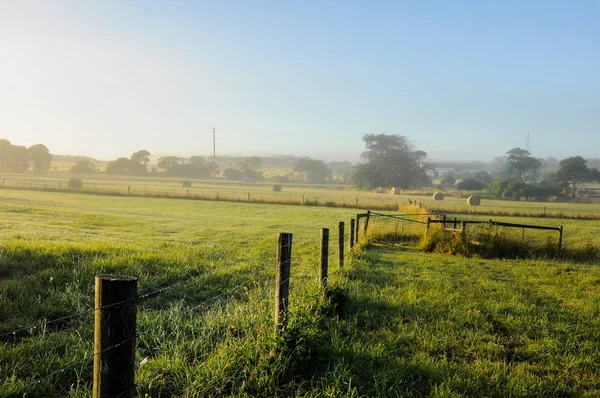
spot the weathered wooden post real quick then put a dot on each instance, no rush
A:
(366, 223)
(444, 220)
(341, 244)
(357, 201)
(248, 196)
(324, 257)
(128, 190)
(464, 229)
(455, 225)
(351, 237)
(560, 238)
(282, 281)
(357, 226)
(302, 199)
(114, 336)
(427, 225)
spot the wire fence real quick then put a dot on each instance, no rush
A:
(411, 228)
(176, 190)
(155, 319)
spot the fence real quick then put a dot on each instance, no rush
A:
(118, 307)
(175, 190)
(404, 228)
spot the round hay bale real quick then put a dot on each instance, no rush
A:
(438, 196)
(396, 191)
(379, 190)
(474, 200)
(457, 194)
(75, 183)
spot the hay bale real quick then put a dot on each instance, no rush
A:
(75, 183)
(438, 196)
(276, 188)
(457, 194)
(474, 200)
(396, 191)
(379, 190)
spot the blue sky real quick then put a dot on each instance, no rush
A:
(464, 80)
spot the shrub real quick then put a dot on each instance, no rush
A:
(186, 184)
(75, 183)
(276, 188)
(470, 184)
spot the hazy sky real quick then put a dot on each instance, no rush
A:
(463, 80)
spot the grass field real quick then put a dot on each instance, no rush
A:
(397, 323)
(323, 194)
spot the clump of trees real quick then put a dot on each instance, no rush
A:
(312, 170)
(245, 168)
(19, 159)
(136, 164)
(391, 161)
(193, 167)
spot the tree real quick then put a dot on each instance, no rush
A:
(119, 166)
(483, 176)
(233, 174)
(250, 163)
(391, 162)
(448, 179)
(572, 171)
(169, 162)
(520, 164)
(5, 150)
(139, 161)
(18, 159)
(40, 157)
(314, 170)
(470, 184)
(83, 166)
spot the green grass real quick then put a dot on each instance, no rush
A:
(54, 244)
(441, 326)
(396, 322)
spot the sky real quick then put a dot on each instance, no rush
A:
(463, 80)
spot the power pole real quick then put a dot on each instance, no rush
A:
(214, 157)
(528, 141)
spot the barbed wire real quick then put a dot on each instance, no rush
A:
(69, 366)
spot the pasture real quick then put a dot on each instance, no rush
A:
(396, 323)
(310, 194)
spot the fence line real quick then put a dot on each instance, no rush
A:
(140, 298)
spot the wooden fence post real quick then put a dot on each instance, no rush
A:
(427, 225)
(128, 190)
(248, 196)
(282, 281)
(366, 223)
(302, 199)
(560, 238)
(114, 336)
(357, 228)
(444, 220)
(341, 244)
(357, 201)
(59, 185)
(351, 237)
(324, 257)
(464, 229)
(455, 225)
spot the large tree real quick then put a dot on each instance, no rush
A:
(314, 170)
(40, 157)
(139, 161)
(521, 164)
(119, 166)
(573, 171)
(391, 161)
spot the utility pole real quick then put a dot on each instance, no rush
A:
(528, 141)
(214, 156)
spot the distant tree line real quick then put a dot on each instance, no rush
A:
(19, 159)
